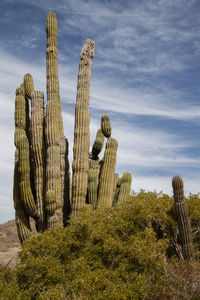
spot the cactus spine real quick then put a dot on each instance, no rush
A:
(106, 180)
(184, 225)
(80, 164)
(125, 188)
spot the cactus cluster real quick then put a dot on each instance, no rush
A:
(43, 188)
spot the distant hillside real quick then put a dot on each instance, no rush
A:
(9, 243)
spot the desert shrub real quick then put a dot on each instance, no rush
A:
(193, 203)
(178, 281)
(117, 253)
(8, 285)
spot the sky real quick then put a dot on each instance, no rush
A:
(145, 76)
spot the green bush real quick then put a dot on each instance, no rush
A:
(123, 252)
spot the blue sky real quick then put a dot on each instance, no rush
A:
(145, 75)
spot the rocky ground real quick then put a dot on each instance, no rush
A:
(9, 244)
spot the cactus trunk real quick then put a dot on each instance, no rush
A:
(37, 135)
(53, 123)
(184, 225)
(125, 188)
(21, 217)
(106, 180)
(80, 164)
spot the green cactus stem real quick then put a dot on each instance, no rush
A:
(106, 180)
(37, 137)
(50, 208)
(125, 188)
(53, 94)
(28, 85)
(116, 178)
(93, 181)
(105, 125)
(53, 120)
(24, 178)
(98, 144)
(21, 217)
(184, 225)
(53, 183)
(80, 164)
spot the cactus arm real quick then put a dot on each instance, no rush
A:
(98, 144)
(38, 147)
(21, 217)
(93, 181)
(80, 164)
(125, 188)
(21, 129)
(116, 178)
(184, 225)
(106, 180)
(24, 178)
(105, 125)
(28, 85)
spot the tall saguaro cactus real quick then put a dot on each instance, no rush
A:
(80, 164)
(53, 122)
(184, 226)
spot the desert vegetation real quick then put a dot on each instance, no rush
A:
(96, 239)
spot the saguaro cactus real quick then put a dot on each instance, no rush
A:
(80, 164)
(53, 122)
(106, 180)
(184, 226)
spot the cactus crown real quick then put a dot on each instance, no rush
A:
(28, 84)
(112, 143)
(51, 24)
(88, 49)
(97, 147)
(177, 183)
(105, 125)
(20, 91)
(126, 178)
